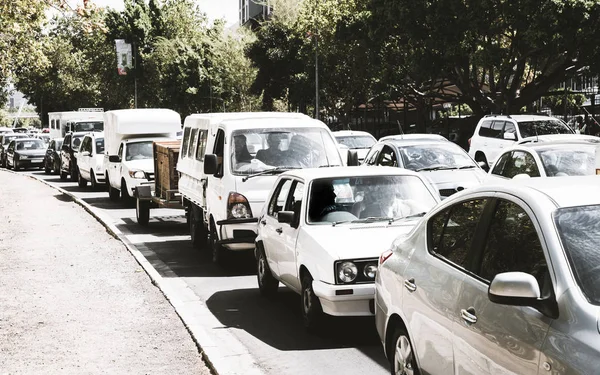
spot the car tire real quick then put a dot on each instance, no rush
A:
(93, 182)
(63, 175)
(142, 212)
(268, 285)
(56, 167)
(312, 311)
(74, 174)
(113, 193)
(124, 192)
(82, 182)
(401, 354)
(16, 166)
(217, 250)
(47, 169)
(198, 231)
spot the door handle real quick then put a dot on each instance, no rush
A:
(468, 315)
(263, 222)
(279, 230)
(410, 285)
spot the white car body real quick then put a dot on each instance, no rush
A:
(89, 161)
(361, 152)
(314, 248)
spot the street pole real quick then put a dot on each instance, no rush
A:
(135, 74)
(316, 67)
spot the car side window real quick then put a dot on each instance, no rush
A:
(521, 162)
(485, 130)
(193, 143)
(185, 142)
(512, 244)
(201, 146)
(294, 203)
(120, 153)
(387, 157)
(218, 150)
(279, 198)
(502, 160)
(451, 231)
(67, 140)
(372, 155)
(496, 130)
(509, 127)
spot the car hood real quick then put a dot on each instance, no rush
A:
(360, 240)
(256, 190)
(40, 152)
(456, 178)
(146, 165)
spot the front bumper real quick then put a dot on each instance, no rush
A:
(360, 300)
(237, 234)
(26, 163)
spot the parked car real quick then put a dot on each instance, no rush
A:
(5, 139)
(90, 160)
(499, 279)
(322, 231)
(25, 153)
(68, 158)
(495, 132)
(548, 159)
(43, 137)
(52, 160)
(448, 166)
(360, 141)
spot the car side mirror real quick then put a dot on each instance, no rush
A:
(285, 217)
(210, 164)
(510, 136)
(352, 158)
(514, 288)
(114, 159)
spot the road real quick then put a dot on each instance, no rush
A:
(270, 330)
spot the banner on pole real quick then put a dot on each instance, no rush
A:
(123, 56)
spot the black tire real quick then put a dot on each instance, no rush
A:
(218, 252)
(124, 192)
(3, 163)
(16, 166)
(47, 169)
(82, 182)
(401, 354)
(312, 311)
(56, 167)
(93, 182)
(142, 212)
(63, 175)
(198, 231)
(113, 193)
(74, 174)
(268, 285)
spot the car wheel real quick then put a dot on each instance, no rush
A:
(63, 175)
(312, 311)
(401, 355)
(142, 212)
(93, 182)
(47, 169)
(16, 166)
(82, 182)
(267, 283)
(124, 192)
(74, 174)
(218, 251)
(3, 163)
(197, 228)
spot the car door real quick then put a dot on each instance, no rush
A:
(286, 262)
(520, 163)
(501, 163)
(65, 156)
(371, 157)
(215, 183)
(272, 230)
(49, 150)
(10, 153)
(433, 281)
(499, 339)
(496, 141)
(387, 157)
(115, 169)
(83, 158)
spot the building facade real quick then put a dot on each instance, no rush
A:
(252, 11)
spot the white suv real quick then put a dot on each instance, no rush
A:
(495, 132)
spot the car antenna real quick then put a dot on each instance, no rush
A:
(401, 131)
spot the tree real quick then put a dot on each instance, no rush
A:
(502, 55)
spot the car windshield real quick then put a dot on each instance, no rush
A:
(579, 231)
(542, 127)
(369, 197)
(138, 151)
(30, 144)
(76, 141)
(8, 138)
(444, 155)
(88, 126)
(569, 162)
(356, 141)
(257, 150)
(99, 145)
(59, 143)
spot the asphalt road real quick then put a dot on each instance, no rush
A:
(270, 330)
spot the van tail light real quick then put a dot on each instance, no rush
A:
(238, 207)
(385, 256)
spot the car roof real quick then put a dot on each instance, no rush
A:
(346, 133)
(568, 191)
(339, 172)
(521, 118)
(560, 138)
(419, 142)
(27, 139)
(95, 135)
(414, 136)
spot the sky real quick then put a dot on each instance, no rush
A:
(214, 9)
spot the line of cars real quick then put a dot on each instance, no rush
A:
(464, 271)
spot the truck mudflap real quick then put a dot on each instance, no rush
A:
(143, 192)
(239, 236)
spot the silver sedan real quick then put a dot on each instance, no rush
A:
(498, 279)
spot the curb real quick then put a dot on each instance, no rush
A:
(223, 355)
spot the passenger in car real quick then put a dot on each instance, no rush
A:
(242, 155)
(322, 200)
(271, 155)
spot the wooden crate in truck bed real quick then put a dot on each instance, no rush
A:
(166, 177)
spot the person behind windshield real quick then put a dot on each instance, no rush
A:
(322, 200)
(139, 151)
(242, 155)
(271, 155)
(299, 153)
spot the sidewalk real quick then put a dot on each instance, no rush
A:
(72, 298)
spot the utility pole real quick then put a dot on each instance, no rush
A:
(316, 64)
(135, 75)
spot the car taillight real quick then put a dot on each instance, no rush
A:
(469, 141)
(385, 256)
(238, 206)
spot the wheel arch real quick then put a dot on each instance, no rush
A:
(394, 322)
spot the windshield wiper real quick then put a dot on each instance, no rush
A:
(373, 219)
(467, 167)
(434, 169)
(268, 171)
(420, 214)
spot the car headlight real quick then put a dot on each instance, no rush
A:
(238, 206)
(137, 174)
(370, 270)
(347, 272)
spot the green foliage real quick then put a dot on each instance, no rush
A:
(556, 100)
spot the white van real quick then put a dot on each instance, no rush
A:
(90, 159)
(128, 138)
(228, 163)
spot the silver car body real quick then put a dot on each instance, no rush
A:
(437, 300)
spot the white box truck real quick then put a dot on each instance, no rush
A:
(128, 138)
(85, 119)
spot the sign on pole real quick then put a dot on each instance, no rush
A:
(123, 56)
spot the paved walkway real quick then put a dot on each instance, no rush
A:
(73, 300)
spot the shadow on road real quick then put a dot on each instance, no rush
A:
(278, 322)
(157, 226)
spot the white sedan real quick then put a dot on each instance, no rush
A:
(322, 231)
